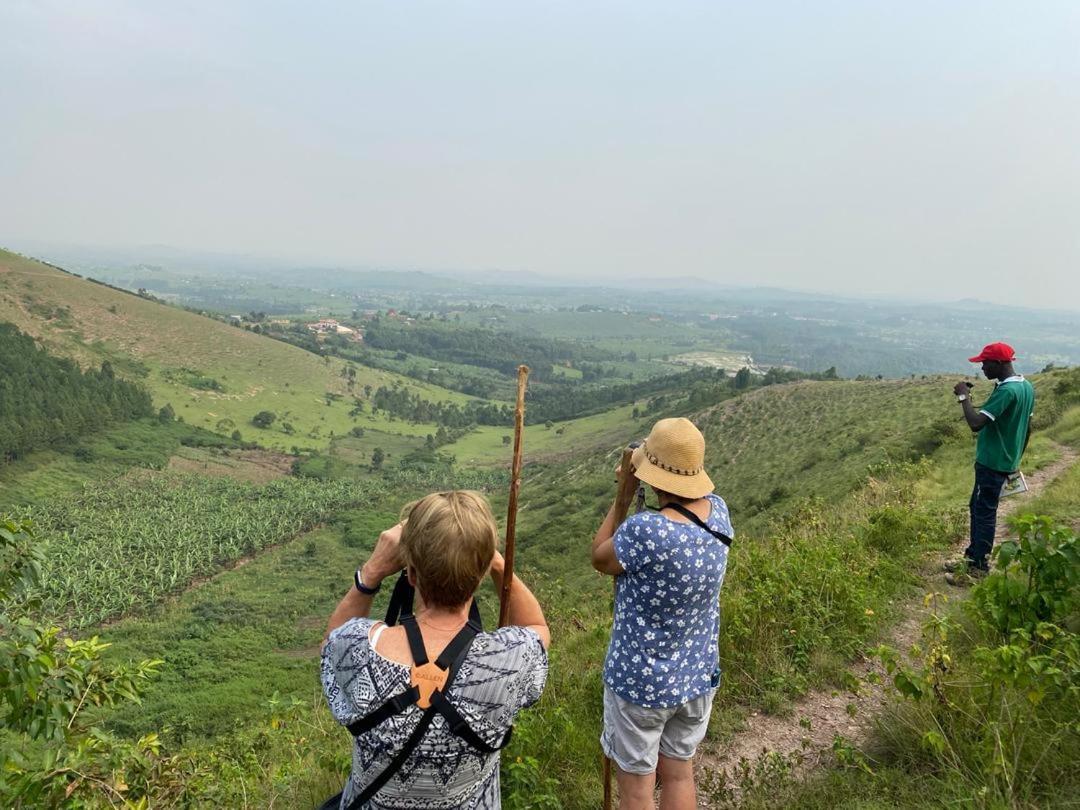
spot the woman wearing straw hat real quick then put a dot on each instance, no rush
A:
(662, 665)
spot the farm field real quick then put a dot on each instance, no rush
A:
(125, 544)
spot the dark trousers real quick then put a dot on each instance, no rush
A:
(983, 506)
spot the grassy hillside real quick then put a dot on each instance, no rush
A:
(214, 375)
(774, 642)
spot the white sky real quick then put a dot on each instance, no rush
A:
(921, 148)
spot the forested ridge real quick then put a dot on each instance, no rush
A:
(47, 400)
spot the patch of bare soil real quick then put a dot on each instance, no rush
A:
(251, 466)
(819, 716)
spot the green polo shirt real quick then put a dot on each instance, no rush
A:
(1001, 441)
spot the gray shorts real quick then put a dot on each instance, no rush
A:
(633, 735)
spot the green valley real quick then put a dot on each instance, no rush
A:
(173, 567)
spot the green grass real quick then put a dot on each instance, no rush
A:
(232, 643)
(48, 474)
(1060, 500)
(356, 452)
(251, 632)
(779, 444)
(950, 480)
(568, 373)
(485, 445)
(1067, 429)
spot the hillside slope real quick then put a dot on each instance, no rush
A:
(220, 378)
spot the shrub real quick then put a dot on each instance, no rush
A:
(264, 419)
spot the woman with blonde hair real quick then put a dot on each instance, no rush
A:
(431, 700)
(663, 663)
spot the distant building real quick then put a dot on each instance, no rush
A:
(329, 326)
(323, 326)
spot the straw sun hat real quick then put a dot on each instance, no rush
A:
(672, 459)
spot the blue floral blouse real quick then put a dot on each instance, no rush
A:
(664, 648)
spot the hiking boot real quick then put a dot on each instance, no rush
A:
(970, 576)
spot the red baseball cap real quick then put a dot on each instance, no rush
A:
(1002, 352)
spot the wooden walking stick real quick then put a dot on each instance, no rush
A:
(628, 488)
(511, 506)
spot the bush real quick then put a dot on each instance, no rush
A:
(264, 419)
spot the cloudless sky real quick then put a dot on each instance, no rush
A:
(926, 149)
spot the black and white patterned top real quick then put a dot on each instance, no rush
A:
(503, 673)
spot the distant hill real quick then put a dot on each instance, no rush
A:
(214, 375)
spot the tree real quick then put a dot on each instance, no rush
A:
(264, 419)
(742, 378)
(377, 457)
(236, 437)
(167, 414)
(506, 440)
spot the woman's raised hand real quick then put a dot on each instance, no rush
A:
(386, 558)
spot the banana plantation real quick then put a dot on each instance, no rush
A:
(122, 545)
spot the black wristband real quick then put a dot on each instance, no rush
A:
(364, 589)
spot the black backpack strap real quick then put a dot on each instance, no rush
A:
(416, 640)
(380, 781)
(457, 724)
(686, 513)
(451, 658)
(451, 653)
(401, 600)
(460, 726)
(395, 705)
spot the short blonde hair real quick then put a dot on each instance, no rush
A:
(449, 542)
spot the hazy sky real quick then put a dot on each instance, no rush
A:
(924, 148)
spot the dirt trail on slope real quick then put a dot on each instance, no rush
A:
(817, 717)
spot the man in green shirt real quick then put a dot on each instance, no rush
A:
(1003, 425)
